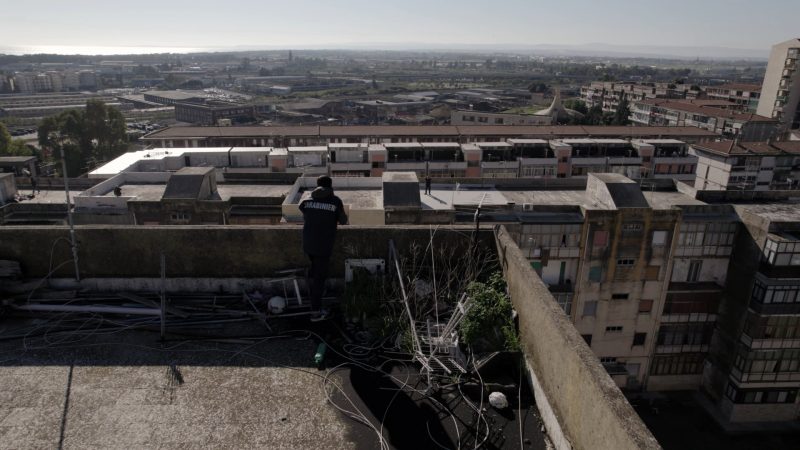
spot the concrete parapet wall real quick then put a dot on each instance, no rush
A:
(585, 403)
(201, 251)
(745, 196)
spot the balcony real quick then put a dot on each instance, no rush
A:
(775, 308)
(398, 166)
(688, 318)
(538, 161)
(769, 343)
(682, 348)
(588, 161)
(350, 166)
(625, 161)
(686, 159)
(440, 165)
(500, 165)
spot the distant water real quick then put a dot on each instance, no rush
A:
(96, 50)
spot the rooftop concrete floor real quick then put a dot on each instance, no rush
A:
(444, 198)
(91, 394)
(126, 389)
(47, 196)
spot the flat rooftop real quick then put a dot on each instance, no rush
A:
(447, 197)
(154, 192)
(133, 392)
(787, 211)
(656, 200)
(360, 198)
(50, 197)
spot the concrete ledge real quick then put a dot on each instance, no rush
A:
(203, 251)
(581, 399)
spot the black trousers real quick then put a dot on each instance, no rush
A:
(316, 278)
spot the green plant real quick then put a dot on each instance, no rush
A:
(488, 325)
(363, 295)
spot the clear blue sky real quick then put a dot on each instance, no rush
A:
(337, 23)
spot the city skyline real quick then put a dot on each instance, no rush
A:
(149, 26)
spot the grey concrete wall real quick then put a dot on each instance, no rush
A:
(202, 251)
(745, 196)
(588, 406)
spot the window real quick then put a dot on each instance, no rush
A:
(619, 296)
(678, 364)
(600, 238)
(180, 216)
(775, 294)
(614, 329)
(645, 306)
(587, 338)
(685, 334)
(694, 271)
(631, 227)
(596, 274)
(590, 308)
(626, 262)
(639, 338)
(378, 165)
(659, 238)
(608, 359)
(760, 396)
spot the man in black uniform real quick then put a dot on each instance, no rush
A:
(322, 213)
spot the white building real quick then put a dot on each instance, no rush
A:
(780, 93)
(760, 166)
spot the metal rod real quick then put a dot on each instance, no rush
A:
(393, 254)
(90, 309)
(163, 296)
(73, 242)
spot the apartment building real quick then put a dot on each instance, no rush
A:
(744, 95)
(718, 116)
(640, 159)
(760, 166)
(211, 113)
(675, 293)
(608, 94)
(471, 117)
(285, 136)
(780, 92)
(753, 372)
(694, 291)
(606, 254)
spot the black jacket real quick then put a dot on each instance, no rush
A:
(322, 213)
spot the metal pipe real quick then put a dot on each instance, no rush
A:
(73, 243)
(90, 309)
(163, 309)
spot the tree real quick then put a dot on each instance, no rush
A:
(622, 116)
(87, 136)
(10, 146)
(577, 105)
(594, 116)
(245, 65)
(537, 88)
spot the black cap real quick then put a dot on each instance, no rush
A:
(324, 181)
